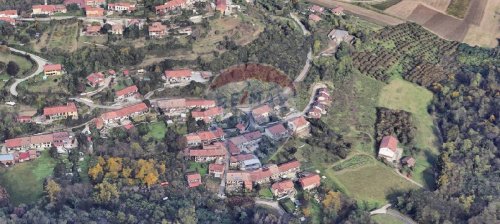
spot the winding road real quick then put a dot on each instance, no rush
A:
(387, 211)
(40, 63)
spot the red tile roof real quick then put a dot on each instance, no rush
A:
(338, 9)
(390, 142)
(178, 73)
(277, 129)
(299, 121)
(213, 167)
(23, 155)
(264, 109)
(171, 4)
(294, 164)
(92, 11)
(8, 20)
(207, 114)
(52, 67)
(36, 139)
(126, 111)
(95, 78)
(70, 107)
(93, 29)
(221, 5)
(312, 179)
(240, 127)
(209, 151)
(282, 185)
(8, 12)
(200, 103)
(205, 135)
(314, 17)
(49, 8)
(194, 180)
(241, 157)
(126, 90)
(157, 27)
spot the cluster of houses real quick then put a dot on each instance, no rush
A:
(27, 148)
(225, 7)
(321, 103)
(9, 16)
(316, 11)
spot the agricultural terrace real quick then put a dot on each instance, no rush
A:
(24, 181)
(62, 35)
(403, 95)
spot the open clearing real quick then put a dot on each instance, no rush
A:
(403, 95)
(386, 219)
(458, 8)
(157, 131)
(24, 181)
(485, 33)
(62, 36)
(24, 64)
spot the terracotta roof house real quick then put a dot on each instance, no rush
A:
(157, 30)
(314, 18)
(94, 12)
(126, 92)
(7, 159)
(276, 132)
(289, 169)
(408, 161)
(117, 29)
(216, 169)
(8, 20)
(247, 142)
(95, 3)
(95, 79)
(170, 5)
(200, 103)
(261, 114)
(299, 126)
(194, 180)
(316, 8)
(217, 151)
(58, 139)
(121, 7)
(48, 9)
(221, 6)
(388, 148)
(283, 189)
(52, 69)
(93, 30)
(208, 115)
(79, 3)
(314, 113)
(237, 179)
(124, 113)
(9, 13)
(338, 11)
(61, 112)
(204, 137)
(241, 127)
(310, 182)
(178, 76)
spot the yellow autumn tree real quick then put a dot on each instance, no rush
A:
(95, 171)
(143, 168)
(126, 172)
(52, 188)
(333, 201)
(150, 179)
(105, 192)
(101, 161)
(113, 166)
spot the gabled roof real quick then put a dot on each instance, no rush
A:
(52, 67)
(126, 90)
(217, 149)
(194, 180)
(157, 27)
(12, 12)
(220, 5)
(310, 180)
(264, 109)
(70, 107)
(93, 29)
(171, 4)
(213, 167)
(36, 139)
(95, 78)
(389, 142)
(126, 111)
(294, 164)
(212, 112)
(314, 17)
(299, 122)
(242, 157)
(178, 73)
(277, 129)
(282, 185)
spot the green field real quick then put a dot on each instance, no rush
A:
(458, 8)
(354, 162)
(24, 181)
(385, 4)
(386, 219)
(403, 95)
(266, 193)
(372, 183)
(24, 64)
(37, 84)
(157, 131)
(201, 168)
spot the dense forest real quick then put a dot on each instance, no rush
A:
(398, 123)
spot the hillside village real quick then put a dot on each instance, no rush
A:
(114, 107)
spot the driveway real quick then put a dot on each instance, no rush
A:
(40, 63)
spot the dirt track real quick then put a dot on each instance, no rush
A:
(367, 14)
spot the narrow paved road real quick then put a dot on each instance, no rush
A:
(297, 20)
(272, 204)
(376, 17)
(306, 68)
(40, 63)
(391, 212)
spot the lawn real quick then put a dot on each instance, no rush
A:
(24, 64)
(372, 183)
(354, 162)
(288, 205)
(24, 181)
(386, 219)
(38, 85)
(458, 8)
(201, 168)
(266, 193)
(403, 95)
(157, 131)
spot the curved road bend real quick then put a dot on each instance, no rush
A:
(40, 63)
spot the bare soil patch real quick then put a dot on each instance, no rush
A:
(439, 23)
(488, 31)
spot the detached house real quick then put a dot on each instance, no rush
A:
(388, 149)
(48, 9)
(283, 189)
(126, 92)
(277, 132)
(217, 170)
(208, 115)
(94, 30)
(121, 7)
(61, 112)
(95, 3)
(95, 79)
(157, 30)
(9, 13)
(178, 76)
(8, 20)
(261, 114)
(194, 180)
(217, 151)
(94, 12)
(174, 107)
(52, 69)
(299, 126)
(316, 8)
(171, 5)
(245, 162)
(340, 36)
(338, 11)
(117, 29)
(314, 18)
(310, 182)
